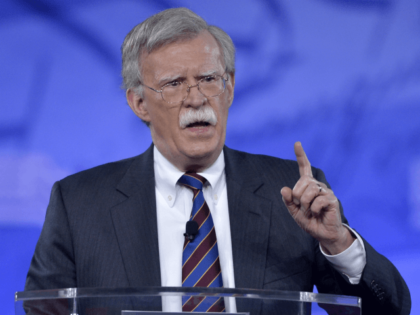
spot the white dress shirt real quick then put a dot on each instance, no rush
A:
(173, 206)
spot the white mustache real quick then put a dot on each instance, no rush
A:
(203, 114)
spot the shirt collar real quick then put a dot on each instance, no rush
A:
(167, 176)
(215, 176)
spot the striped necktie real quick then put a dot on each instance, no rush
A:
(200, 258)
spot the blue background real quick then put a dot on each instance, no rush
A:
(341, 76)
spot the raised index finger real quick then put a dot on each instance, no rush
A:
(302, 159)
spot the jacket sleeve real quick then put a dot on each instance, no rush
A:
(382, 288)
(52, 265)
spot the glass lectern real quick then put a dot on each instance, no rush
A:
(153, 300)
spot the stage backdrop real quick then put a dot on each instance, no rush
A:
(342, 77)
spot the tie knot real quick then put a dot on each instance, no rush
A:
(192, 180)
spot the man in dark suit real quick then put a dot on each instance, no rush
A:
(110, 226)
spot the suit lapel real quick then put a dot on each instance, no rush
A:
(249, 216)
(135, 223)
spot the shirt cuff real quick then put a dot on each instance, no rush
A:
(352, 261)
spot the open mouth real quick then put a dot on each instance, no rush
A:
(198, 124)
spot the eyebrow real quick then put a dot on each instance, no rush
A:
(169, 78)
(205, 74)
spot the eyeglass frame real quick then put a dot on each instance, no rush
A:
(189, 88)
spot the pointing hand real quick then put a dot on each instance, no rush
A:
(315, 208)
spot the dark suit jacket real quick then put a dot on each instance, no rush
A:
(101, 231)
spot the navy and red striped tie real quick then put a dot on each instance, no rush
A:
(200, 258)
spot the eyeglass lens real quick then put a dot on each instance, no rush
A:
(208, 86)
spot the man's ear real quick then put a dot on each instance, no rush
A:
(137, 104)
(230, 87)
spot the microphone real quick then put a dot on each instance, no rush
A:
(191, 230)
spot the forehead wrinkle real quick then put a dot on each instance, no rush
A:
(211, 65)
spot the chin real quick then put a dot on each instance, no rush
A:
(203, 150)
(200, 154)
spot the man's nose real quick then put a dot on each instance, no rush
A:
(195, 98)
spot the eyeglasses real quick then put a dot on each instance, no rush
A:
(177, 91)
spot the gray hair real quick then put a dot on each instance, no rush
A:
(164, 28)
